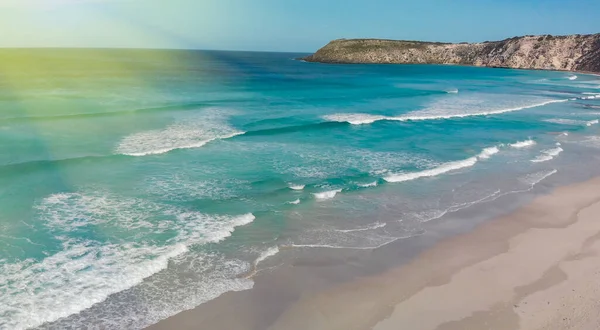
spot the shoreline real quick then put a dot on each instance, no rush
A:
(498, 261)
(535, 268)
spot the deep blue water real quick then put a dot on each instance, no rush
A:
(144, 183)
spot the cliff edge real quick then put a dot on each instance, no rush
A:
(546, 52)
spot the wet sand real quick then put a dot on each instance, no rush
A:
(535, 268)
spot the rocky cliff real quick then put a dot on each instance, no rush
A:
(569, 53)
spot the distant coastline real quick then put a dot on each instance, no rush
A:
(574, 53)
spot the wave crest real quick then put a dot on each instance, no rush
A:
(432, 114)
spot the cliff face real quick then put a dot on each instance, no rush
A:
(569, 53)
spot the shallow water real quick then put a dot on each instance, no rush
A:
(137, 184)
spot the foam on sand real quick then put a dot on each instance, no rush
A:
(266, 254)
(523, 144)
(442, 110)
(327, 194)
(444, 168)
(189, 133)
(86, 271)
(535, 178)
(548, 155)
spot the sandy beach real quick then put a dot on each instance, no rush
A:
(536, 268)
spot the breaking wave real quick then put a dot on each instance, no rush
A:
(523, 144)
(189, 133)
(444, 168)
(438, 112)
(548, 155)
(327, 194)
(86, 271)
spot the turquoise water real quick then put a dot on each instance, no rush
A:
(138, 184)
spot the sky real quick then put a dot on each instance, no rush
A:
(281, 25)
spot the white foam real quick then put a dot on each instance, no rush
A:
(268, 253)
(573, 77)
(87, 271)
(444, 168)
(535, 178)
(436, 113)
(297, 186)
(188, 133)
(547, 155)
(368, 185)
(488, 152)
(338, 247)
(591, 122)
(296, 202)
(373, 226)
(452, 91)
(327, 194)
(523, 144)
(563, 121)
(436, 214)
(356, 118)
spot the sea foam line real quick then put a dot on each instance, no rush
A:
(159, 151)
(373, 226)
(444, 168)
(361, 119)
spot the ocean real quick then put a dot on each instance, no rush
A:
(136, 184)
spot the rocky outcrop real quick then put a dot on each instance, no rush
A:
(546, 52)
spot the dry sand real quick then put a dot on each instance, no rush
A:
(537, 268)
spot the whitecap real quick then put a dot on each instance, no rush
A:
(573, 77)
(523, 144)
(368, 185)
(547, 155)
(355, 118)
(434, 113)
(488, 152)
(591, 122)
(295, 202)
(325, 195)
(442, 169)
(188, 133)
(297, 186)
